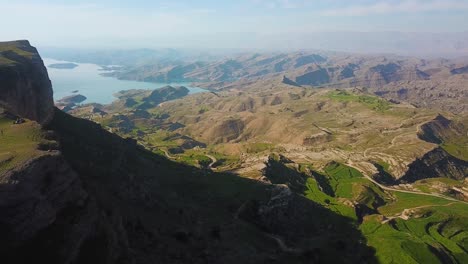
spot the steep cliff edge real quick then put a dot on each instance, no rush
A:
(25, 88)
(434, 164)
(100, 198)
(441, 129)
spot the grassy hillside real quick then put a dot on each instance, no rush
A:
(436, 231)
(18, 142)
(7, 49)
(402, 227)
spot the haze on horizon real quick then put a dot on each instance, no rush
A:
(400, 26)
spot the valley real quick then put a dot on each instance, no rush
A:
(388, 167)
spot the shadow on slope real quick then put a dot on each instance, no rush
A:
(148, 209)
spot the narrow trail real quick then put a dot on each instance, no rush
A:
(403, 215)
(210, 166)
(350, 164)
(167, 154)
(213, 161)
(392, 143)
(418, 129)
(282, 245)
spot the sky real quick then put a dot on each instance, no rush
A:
(217, 23)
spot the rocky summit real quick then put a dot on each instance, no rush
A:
(25, 88)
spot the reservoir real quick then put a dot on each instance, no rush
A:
(86, 79)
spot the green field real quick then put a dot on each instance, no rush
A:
(194, 158)
(436, 235)
(409, 200)
(18, 143)
(458, 149)
(436, 231)
(339, 186)
(373, 102)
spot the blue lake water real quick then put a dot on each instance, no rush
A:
(87, 80)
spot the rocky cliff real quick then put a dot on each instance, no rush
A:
(434, 164)
(25, 88)
(48, 215)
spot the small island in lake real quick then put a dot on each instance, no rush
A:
(63, 65)
(69, 102)
(73, 99)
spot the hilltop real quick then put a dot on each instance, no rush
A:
(25, 86)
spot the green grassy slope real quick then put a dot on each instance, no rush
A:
(402, 227)
(18, 143)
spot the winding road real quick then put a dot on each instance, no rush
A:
(418, 129)
(350, 164)
(167, 154)
(210, 166)
(213, 161)
(402, 214)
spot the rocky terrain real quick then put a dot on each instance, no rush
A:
(25, 88)
(440, 83)
(352, 126)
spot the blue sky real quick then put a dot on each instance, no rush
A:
(170, 23)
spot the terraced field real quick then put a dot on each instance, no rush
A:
(405, 228)
(402, 227)
(436, 232)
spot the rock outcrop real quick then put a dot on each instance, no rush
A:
(25, 88)
(288, 81)
(461, 70)
(47, 214)
(434, 164)
(441, 129)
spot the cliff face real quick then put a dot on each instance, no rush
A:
(25, 88)
(47, 214)
(434, 164)
(436, 130)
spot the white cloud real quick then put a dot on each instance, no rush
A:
(405, 6)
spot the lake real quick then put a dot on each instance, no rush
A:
(86, 79)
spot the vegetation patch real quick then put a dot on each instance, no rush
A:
(373, 102)
(194, 158)
(18, 142)
(458, 149)
(259, 147)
